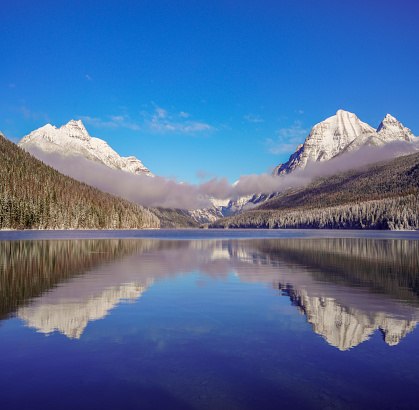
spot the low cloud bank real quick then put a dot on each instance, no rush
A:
(265, 183)
(162, 192)
(143, 190)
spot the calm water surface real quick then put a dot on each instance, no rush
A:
(211, 320)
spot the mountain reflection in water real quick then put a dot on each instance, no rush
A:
(346, 288)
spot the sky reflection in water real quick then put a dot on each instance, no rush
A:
(223, 323)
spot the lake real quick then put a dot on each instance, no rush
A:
(209, 319)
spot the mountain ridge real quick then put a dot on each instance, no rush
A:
(337, 135)
(343, 132)
(72, 139)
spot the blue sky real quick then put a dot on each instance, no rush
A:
(197, 88)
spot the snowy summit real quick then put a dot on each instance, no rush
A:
(342, 133)
(72, 139)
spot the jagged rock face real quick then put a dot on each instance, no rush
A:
(391, 129)
(226, 207)
(72, 139)
(205, 215)
(342, 133)
(1, 135)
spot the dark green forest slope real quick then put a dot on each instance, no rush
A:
(36, 196)
(381, 196)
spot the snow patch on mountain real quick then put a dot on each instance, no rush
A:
(72, 139)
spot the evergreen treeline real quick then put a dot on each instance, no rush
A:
(382, 196)
(36, 196)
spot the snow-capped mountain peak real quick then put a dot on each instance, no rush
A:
(341, 133)
(76, 129)
(326, 140)
(390, 128)
(72, 139)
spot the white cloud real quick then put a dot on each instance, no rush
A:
(28, 114)
(161, 113)
(141, 189)
(253, 118)
(202, 174)
(116, 121)
(97, 122)
(88, 77)
(159, 191)
(154, 119)
(117, 118)
(288, 139)
(32, 115)
(197, 127)
(162, 121)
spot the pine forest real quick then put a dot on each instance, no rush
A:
(380, 196)
(36, 196)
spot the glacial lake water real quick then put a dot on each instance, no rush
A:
(199, 319)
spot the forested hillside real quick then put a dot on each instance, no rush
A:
(382, 196)
(174, 218)
(36, 196)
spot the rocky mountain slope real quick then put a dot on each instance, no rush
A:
(380, 196)
(72, 139)
(342, 133)
(335, 136)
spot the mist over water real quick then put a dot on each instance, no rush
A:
(169, 193)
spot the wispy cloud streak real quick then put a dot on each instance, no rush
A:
(114, 121)
(163, 122)
(265, 183)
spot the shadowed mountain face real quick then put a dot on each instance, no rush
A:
(346, 288)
